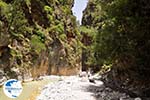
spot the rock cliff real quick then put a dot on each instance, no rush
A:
(38, 37)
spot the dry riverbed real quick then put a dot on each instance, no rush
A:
(76, 88)
(67, 88)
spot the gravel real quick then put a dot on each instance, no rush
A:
(76, 88)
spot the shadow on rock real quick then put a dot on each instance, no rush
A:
(101, 92)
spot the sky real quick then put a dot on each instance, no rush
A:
(78, 8)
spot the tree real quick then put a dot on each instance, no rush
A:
(123, 33)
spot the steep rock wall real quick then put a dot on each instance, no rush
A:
(40, 36)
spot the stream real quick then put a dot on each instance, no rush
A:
(31, 89)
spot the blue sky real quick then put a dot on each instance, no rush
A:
(79, 6)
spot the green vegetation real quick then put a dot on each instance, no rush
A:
(37, 44)
(122, 37)
(36, 33)
(44, 35)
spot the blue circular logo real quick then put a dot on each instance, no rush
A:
(12, 88)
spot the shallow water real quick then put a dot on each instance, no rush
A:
(30, 90)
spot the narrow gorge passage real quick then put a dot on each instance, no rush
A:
(62, 37)
(78, 8)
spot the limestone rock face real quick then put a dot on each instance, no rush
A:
(41, 37)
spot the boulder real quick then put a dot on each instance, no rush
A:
(83, 74)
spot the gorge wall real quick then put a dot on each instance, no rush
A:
(121, 41)
(39, 36)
